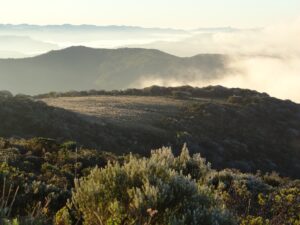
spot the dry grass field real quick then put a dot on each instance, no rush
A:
(132, 110)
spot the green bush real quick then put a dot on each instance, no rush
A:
(157, 190)
(239, 191)
(282, 206)
(62, 217)
(161, 189)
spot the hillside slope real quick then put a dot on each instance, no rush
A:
(79, 68)
(232, 128)
(24, 117)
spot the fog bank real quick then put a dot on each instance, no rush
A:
(265, 59)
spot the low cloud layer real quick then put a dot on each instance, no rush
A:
(279, 77)
(266, 59)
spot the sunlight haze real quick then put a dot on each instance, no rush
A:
(156, 13)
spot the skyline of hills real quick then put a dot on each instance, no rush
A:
(82, 68)
(67, 35)
(112, 26)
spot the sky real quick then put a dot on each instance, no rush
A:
(184, 14)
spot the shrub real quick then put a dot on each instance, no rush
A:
(239, 191)
(157, 190)
(62, 217)
(251, 220)
(282, 206)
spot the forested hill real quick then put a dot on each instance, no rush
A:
(232, 128)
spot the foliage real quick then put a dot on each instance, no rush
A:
(158, 190)
(37, 178)
(282, 206)
(62, 217)
(43, 170)
(180, 91)
(259, 200)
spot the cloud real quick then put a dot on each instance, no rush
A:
(266, 59)
(278, 76)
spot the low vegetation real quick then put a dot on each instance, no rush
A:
(232, 128)
(251, 140)
(212, 92)
(47, 182)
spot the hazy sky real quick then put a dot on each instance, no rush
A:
(151, 13)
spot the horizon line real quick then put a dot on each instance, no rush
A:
(124, 25)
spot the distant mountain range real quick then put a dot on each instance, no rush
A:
(53, 37)
(79, 68)
(88, 27)
(23, 44)
(83, 26)
(68, 33)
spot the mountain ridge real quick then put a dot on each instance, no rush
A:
(91, 68)
(89, 27)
